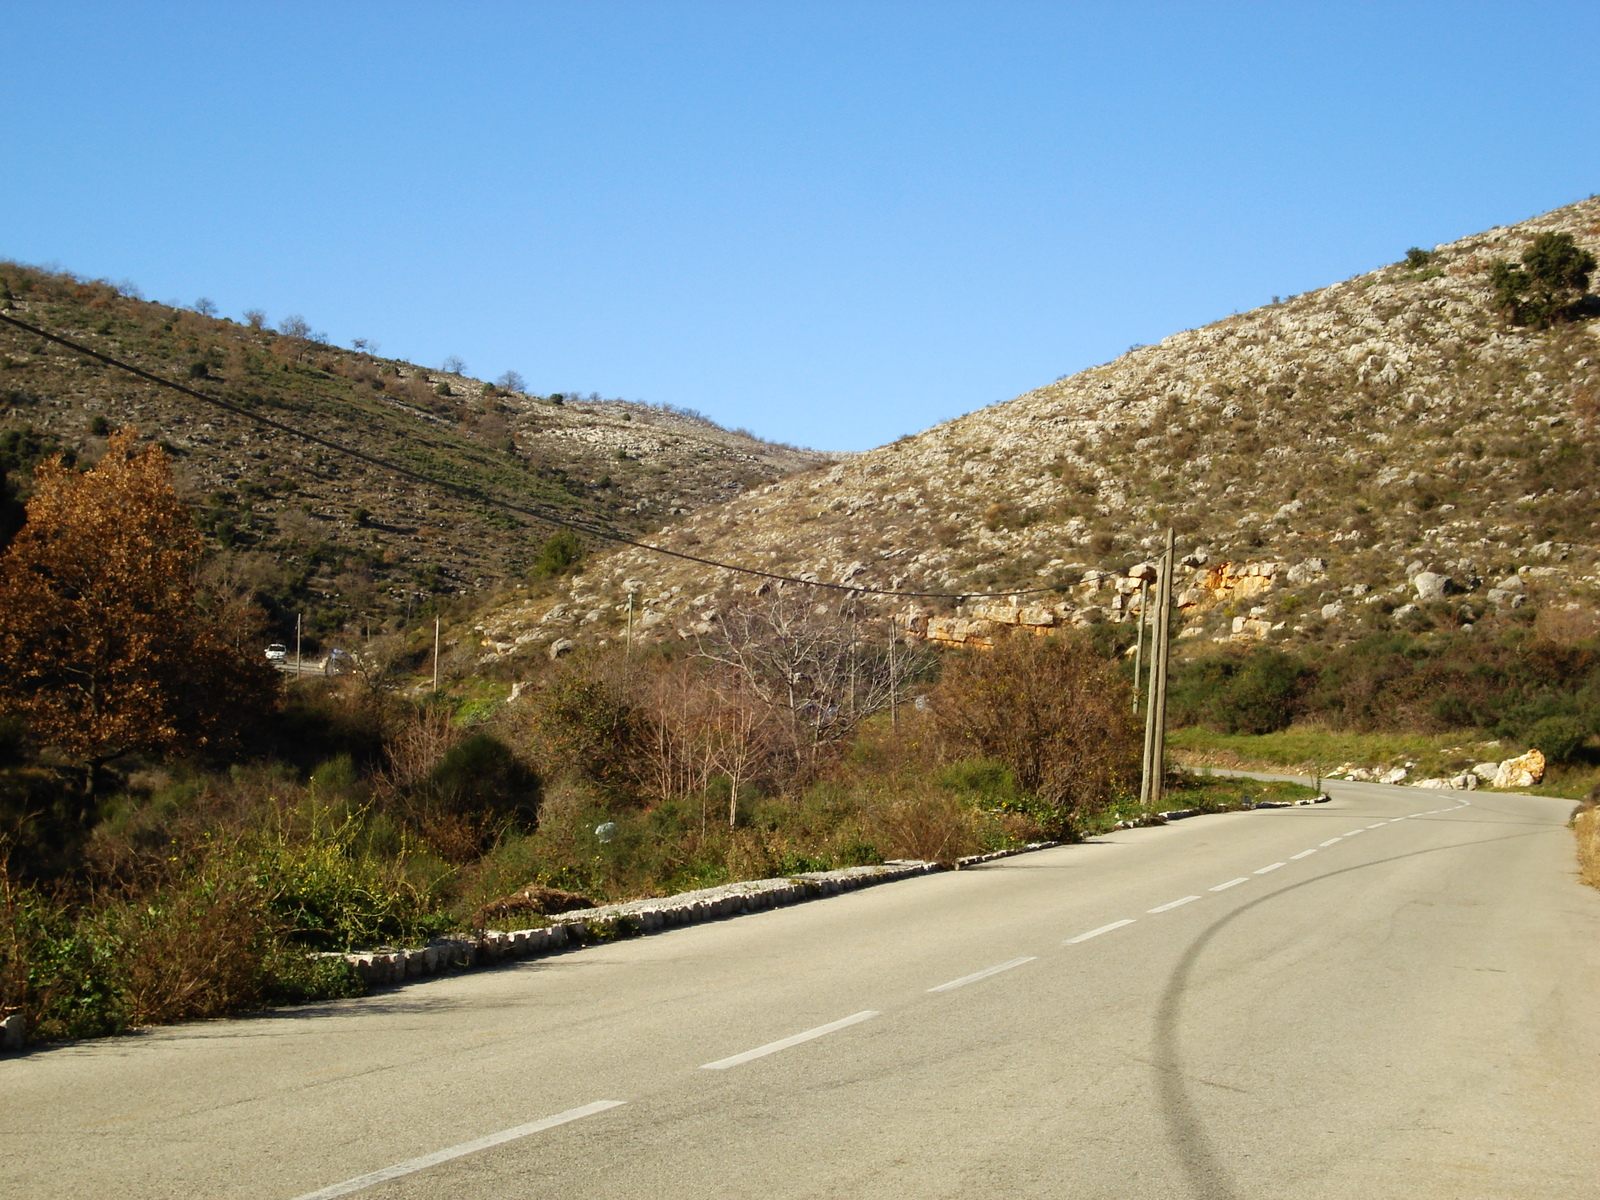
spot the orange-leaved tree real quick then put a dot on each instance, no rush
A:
(103, 650)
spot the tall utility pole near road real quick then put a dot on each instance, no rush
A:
(1155, 713)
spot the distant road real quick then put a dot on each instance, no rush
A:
(1391, 995)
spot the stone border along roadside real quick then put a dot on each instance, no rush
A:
(636, 917)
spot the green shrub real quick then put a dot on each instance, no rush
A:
(1258, 692)
(1547, 286)
(560, 554)
(1558, 738)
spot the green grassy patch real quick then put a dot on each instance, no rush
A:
(1308, 750)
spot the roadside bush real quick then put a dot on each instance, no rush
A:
(585, 723)
(1559, 738)
(1258, 692)
(1052, 711)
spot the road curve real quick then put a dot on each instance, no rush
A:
(1389, 995)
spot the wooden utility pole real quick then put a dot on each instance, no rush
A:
(297, 619)
(1155, 716)
(1138, 646)
(630, 623)
(436, 654)
(894, 699)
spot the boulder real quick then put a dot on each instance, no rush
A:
(1432, 586)
(562, 646)
(1251, 627)
(1330, 611)
(1309, 571)
(1394, 776)
(1523, 771)
(1486, 771)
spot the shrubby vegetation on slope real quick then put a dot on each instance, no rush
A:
(311, 530)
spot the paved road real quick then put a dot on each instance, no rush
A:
(1392, 995)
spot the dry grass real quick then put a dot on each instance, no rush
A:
(1587, 827)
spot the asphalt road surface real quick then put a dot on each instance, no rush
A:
(1393, 995)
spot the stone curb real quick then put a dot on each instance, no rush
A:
(629, 919)
(636, 917)
(1180, 814)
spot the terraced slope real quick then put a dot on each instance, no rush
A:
(1384, 449)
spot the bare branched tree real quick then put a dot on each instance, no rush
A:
(820, 669)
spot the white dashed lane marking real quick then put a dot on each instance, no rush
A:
(983, 974)
(1161, 908)
(722, 1064)
(1094, 933)
(410, 1166)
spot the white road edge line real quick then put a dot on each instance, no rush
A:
(1264, 870)
(722, 1064)
(410, 1166)
(1375, 824)
(1084, 937)
(1222, 887)
(1352, 833)
(1171, 904)
(1330, 841)
(983, 974)
(1303, 854)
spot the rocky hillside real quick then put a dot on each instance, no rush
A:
(353, 536)
(1387, 450)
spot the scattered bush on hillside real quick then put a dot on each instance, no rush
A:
(560, 555)
(1549, 284)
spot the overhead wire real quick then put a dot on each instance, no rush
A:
(478, 496)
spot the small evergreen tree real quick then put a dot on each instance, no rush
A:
(558, 556)
(1546, 288)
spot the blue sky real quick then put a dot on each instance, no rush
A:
(830, 223)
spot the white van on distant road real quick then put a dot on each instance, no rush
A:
(277, 652)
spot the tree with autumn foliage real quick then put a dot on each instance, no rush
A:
(104, 649)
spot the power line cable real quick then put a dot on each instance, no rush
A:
(479, 497)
